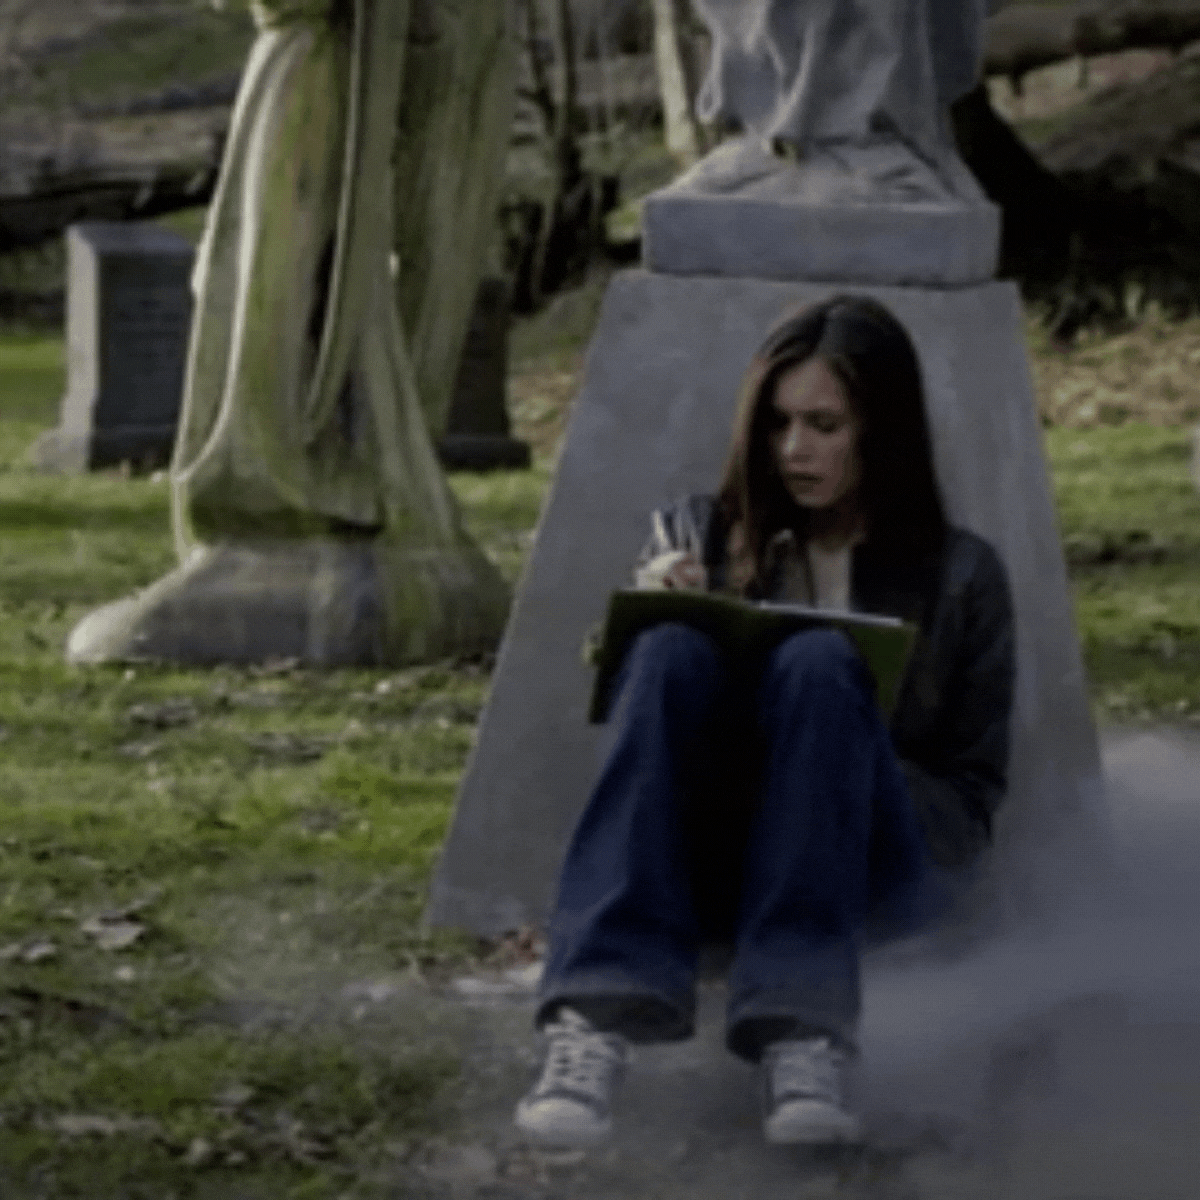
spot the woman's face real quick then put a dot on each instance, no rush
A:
(814, 436)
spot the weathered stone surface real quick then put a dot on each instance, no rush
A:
(788, 220)
(129, 310)
(846, 167)
(652, 422)
(322, 601)
(809, 72)
(305, 485)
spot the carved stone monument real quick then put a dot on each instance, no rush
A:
(844, 167)
(310, 514)
(129, 308)
(867, 195)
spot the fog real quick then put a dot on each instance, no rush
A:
(1060, 1061)
(1068, 1055)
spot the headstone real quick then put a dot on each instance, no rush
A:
(757, 235)
(478, 436)
(652, 422)
(129, 310)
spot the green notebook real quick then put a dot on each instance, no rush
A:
(746, 631)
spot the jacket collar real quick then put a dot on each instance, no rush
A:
(879, 583)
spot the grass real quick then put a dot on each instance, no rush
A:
(263, 837)
(1130, 516)
(266, 837)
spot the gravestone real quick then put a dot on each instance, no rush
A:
(129, 311)
(478, 436)
(653, 419)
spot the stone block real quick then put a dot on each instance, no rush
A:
(652, 422)
(129, 311)
(930, 243)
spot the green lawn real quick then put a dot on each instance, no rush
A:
(1131, 523)
(181, 850)
(257, 834)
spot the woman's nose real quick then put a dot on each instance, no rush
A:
(793, 440)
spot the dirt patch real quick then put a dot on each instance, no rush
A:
(1148, 373)
(540, 397)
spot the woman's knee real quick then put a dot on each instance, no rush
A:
(680, 655)
(822, 651)
(678, 644)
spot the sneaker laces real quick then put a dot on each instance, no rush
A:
(581, 1061)
(809, 1068)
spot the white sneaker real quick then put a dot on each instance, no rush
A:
(804, 1084)
(570, 1105)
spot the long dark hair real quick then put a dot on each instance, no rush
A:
(873, 358)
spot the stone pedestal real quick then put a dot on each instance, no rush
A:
(746, 213)
(129, 311)
(653, 422)
(323, 601)
(478, 437)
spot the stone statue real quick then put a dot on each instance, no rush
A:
(840, 106)
(334, 286)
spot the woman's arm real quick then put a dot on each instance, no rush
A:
(957, 793)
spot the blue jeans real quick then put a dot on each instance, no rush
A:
(768, 809)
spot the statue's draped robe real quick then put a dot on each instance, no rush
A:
(311, 516)
(817, 74)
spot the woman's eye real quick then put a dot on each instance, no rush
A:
(824, 424)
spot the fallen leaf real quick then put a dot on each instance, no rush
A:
(199, 1152)
(288, 747)
(113, 935)
(132, 908)
(275, 666)
(88, 1124)
(36, 951)
(164, 715)
(115, 929)
(138, 749)
(231, 1098)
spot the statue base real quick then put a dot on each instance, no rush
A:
(872, 214)
(325, 603)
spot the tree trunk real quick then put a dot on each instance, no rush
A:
(1025, 36)
(105, 168)
(684, 139)
(1036, 209)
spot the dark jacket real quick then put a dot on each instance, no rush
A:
(950, 726)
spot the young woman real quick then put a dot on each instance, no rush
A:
(776, 810)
